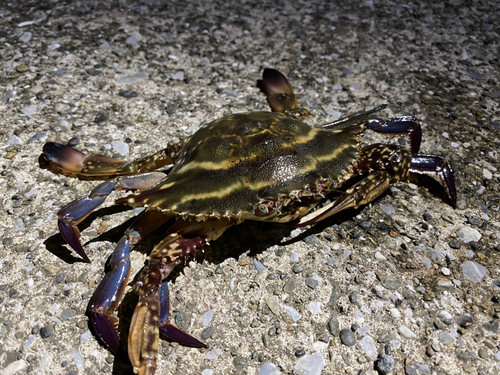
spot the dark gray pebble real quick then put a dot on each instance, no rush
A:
(474, 221)
(454, 244)
(219, 270)
(13, 293)
(128, 94)
(465, 321)
(239, 362)
(427, 216)
(310, 239)
(365, 224)
(355, 235)
(300, 353)
(353, 298)
(35, 330)
(491, 326)
(410, 370)
(73, 141)
(59, 278)
(46, 332)
(334, 326)
(311, 283)
(297, 268)
(181, 319)
(102, 118)
(385, 364)
(93, 72)
(347, 337)
(207, 333)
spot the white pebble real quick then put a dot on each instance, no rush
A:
(26, 37)
(369, 347)
(314, 307)
(15, 140)
(395, 313)
(294, 257)
(120, 147)
(445, 271)
(487, 174)
(406, 332)
(473, 271)
(78, 357)
(294, 314)
(15, 367)
(85, 336)
(214, 353)
(310, 364)
(468, 234)
(269, 369)
(179, 75)
(207, 317)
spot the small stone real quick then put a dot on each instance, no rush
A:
(128, 94)
(406, 332)
(266, 340)
(294, 314)
(297, 268)
(30, 110)
(446, 338)
(46, 332)
(102, 118)
(259, 266)
(311, 283)
(269, 369)
(473, 271)
(465, 321)
(468, 234)
(273, 303)
(388, 209)
(21, 68)
(347, 337)
(392, 282)
(207, 317)
(207, 333)
(178, 76)
(68, 314)
(26, 37)
(368, 345)
(310, 364)
(483, 353)
(125, 80)
(300, 353)
(491, 326)
(427, 216)
(334, 326)
(120, 147)
(385, 364)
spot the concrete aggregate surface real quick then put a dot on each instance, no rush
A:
(404, 285)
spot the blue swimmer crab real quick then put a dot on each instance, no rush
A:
(265, 166)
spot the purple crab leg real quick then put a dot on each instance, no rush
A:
(436, 166)
(109, 292)
(73, 213)
(402, 125)
(169, 331)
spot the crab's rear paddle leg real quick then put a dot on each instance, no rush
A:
(184, 239)
(108, 294)
(73, 213)
(70, 162)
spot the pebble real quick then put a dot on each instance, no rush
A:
(102, 118)
(334, 326)
(213, 354)
(273, 303)
(269, 369)
(491, 326)
(446, 317)
(468, 234)
(120, 147)
(126, 80)
(314, 307)
(178, 76)
(15, 367)
(454, 244)
(392, 282)
(259, 266)
(46, 332)
(385, 364)
(446, 338)
(388, 209)
(368, 345)
(297, 268)
(465, 321)
(207, 317)
(79, 360)
(311, 283)
(207, 333)
(473, 271)
(128, 94)
(347, 337)
(68, 314)
(310, 364)
(406, 332)
(294, 314)
(26, 37)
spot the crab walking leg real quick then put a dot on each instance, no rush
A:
(68, 161)
(109, 292)
(183, 241)
(361, 193)
(169, 331)
(76, 211)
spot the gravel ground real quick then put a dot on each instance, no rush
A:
(406, 284)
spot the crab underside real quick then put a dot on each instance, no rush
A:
(266, 166)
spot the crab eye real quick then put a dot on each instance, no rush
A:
(264, 208)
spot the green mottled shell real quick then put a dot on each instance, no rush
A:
(233, 163)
